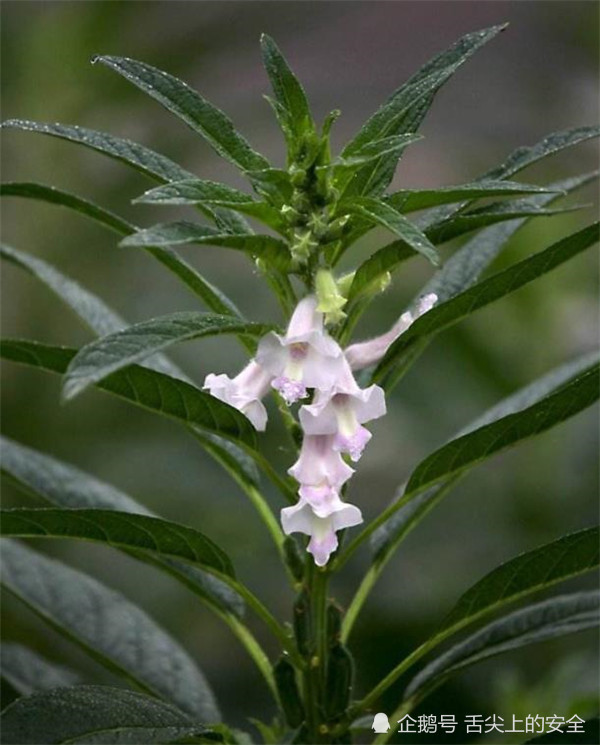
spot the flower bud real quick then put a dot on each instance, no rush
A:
(330, 300)
(302, 247)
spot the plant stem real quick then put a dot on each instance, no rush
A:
(314, 674)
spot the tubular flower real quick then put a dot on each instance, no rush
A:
(306, 357)
(341, 411)
(369, 352)
(243, 392)
(301, 518)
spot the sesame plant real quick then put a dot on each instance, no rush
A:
(322, 382)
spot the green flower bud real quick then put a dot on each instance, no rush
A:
(291, 215)
(344, 283)
(330, 300)
(297, 175)
(302, 247)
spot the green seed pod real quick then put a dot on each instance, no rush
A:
(289, 695)
(334, 623)
(302, 623)
(338, 681)
(293, 558)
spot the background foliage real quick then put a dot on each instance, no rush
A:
(539, 77)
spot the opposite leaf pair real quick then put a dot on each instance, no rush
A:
(307, 357)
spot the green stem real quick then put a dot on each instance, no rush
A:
(264, 614)
(358, 600)
(284, 485)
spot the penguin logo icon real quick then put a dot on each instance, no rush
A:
(380, 724)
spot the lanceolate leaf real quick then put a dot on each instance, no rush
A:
(139, 157)
(465, 222)
(386, 538)
(95, 714)
(488, 291)
(289, 94)
(190, 107)
(121, 530)
(196, 191)
(95, 314)
(381, 213)
(271, 250)
(406, 108)
(483, 442)
(27, 671)
(64, 485)
(40, 192)
(110, 628)
(409, 200)
(146, 388)
(110, 353)
(212, 296)
(549, 619)
(530, 572)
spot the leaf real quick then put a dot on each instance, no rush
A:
(120, 530)
(377, 148)
(93, 311)
(466, 222)
(111, 353)
(27, 671)
(483, 442)
(289, 94)
(109, 627)
(178, 98)
(212, 296)
(410, 200)
(549, 619)
(198, 191)
(43, 193)
(146, 388)
(94, 714)
(64, 485)
(271, 250)
(273, 183)
(488, 291)
(381, 213)
(139, 157)
(405, 109)
(523, 157)
(387, 537)
(529, 572)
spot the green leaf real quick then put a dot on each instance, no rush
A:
(271, 250)
(212, 296)
(387, 537)
(289, 94)
(488, 291)
(523, 157)
(93, 311)
(109, 627)
(410, 200)
(549, 619)
(529, 572)
(181, 100)
(27, 671)
(383, 214)
(146, 388)
(406, 108)
(374, 150)
(64, 485)
(198, 191)
(94, 714)
(466, 222)
(273, 183)
(43, 193)
(121, 530)
(113, 352)
(489, 439)
(141, 158)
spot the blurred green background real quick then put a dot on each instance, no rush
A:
(539, 76)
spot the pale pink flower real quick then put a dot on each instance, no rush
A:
(243, 392)
(319, 469)
(366, 353)
(341, 411)
(301, 518)
(306, 357)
